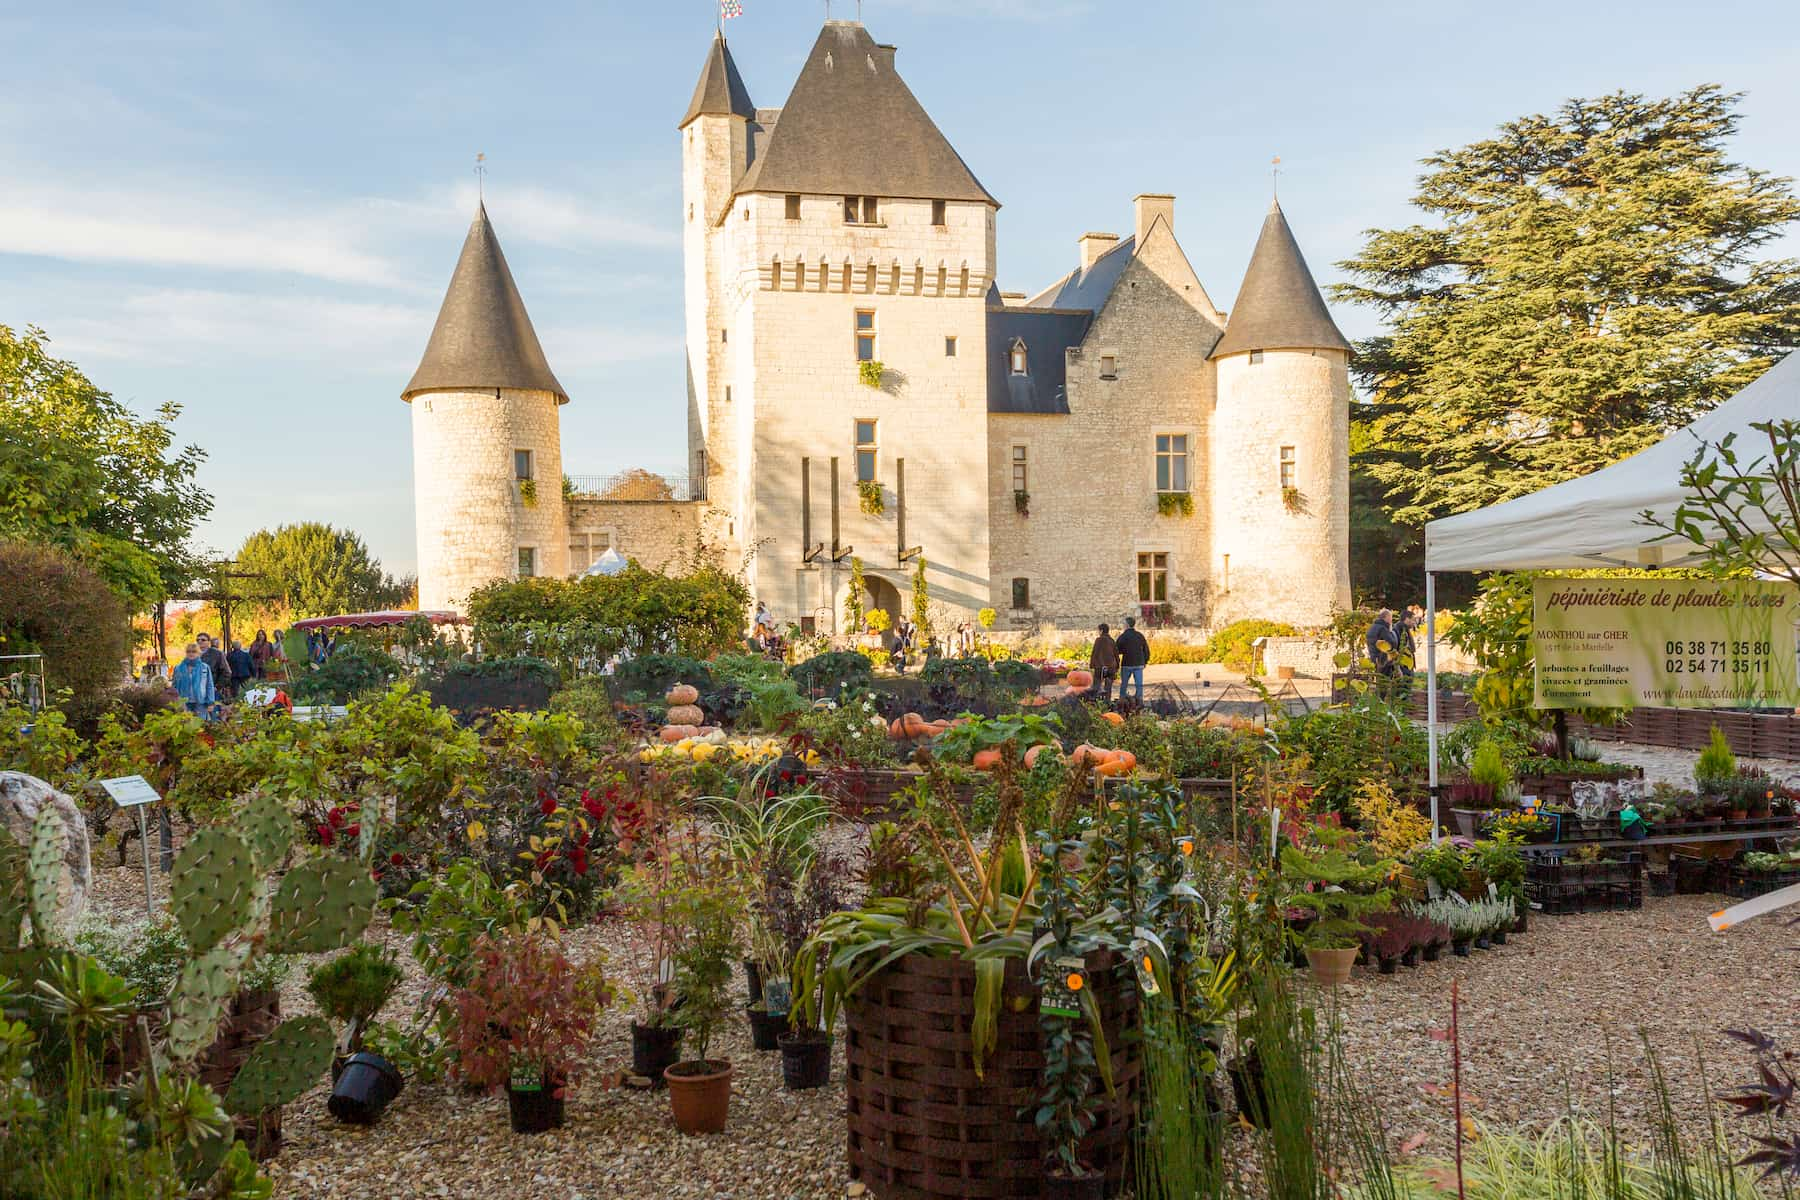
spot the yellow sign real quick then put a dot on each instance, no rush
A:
(1671, 643)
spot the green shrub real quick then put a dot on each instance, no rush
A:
(1017, 676)
(650, 676)
(1487, 768)
(351, 671)
(832, 671)
(1232, 645)
(1717, 766)
(1168, 650)
(351, 988)
(970, 676)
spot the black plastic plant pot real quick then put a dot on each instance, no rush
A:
(1247, 1089)
(805, 1060)
(1090, 1185)
(1430, 953)
(1483, 942)
(766, 1028)
(364, 1088)
(1386, 965)
(1410, 957)
(753, 980)
(1498, 937)
(535, 1110)
(654, 1049)
(1460, 949)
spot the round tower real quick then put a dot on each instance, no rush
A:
(487, 439)
(1281, 445)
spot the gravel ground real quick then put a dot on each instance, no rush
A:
(1538, 1016)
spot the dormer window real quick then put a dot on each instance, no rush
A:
(861, 210)
(1016, 357)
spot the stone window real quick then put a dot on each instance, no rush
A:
(527, 562)
(938, 213)
(1020, 470)
(775, 275)
(865, 335)
(1153, 578)
(1171, 462)
(724, 335)
(1109, 366)
(1289, 468)
(866, 446)
(1255, 356)
(793, 208)
(861, 210)
(949, 347)
(585, 549)
(1016, 357)
(523, 467)
(1021, 593)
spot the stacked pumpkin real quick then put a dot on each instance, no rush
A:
(911, 727)
(1102, 760)
(684, 717)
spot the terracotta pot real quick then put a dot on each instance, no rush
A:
(1331, 967)
(699, 1095)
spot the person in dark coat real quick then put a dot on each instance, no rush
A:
(1134, 656)
(214, 658)
(1103, 661)
(1381, 640)
(243, 667)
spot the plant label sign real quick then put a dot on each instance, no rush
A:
(129, 791)
(1064, 978)
(1671, 643)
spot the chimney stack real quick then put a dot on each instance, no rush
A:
(1150, 206)
(1094, 246)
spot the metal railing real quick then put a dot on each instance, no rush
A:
(635, 485)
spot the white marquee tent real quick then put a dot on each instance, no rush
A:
(1598, 519)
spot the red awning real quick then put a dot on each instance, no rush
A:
(376, 620)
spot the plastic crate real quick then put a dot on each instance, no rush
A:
(1560, 886)
(1743, 884)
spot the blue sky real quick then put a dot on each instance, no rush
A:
(253, 208)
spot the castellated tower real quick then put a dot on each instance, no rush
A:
(835, 235)
(1281, 469)
(487, 448)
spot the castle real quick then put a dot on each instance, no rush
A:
(860, 388)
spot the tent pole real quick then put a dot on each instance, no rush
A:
(1431, 695)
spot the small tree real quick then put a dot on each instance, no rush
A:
(853, 599)
(921, 600)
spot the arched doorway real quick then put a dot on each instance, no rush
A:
(884, 595)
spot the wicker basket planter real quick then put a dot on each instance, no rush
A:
(923, 1125)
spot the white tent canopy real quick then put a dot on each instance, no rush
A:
(1597, 520)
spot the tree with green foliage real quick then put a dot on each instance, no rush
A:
(51, 603)
(79, 470)
(319, 570)
(1590, 282)
(921, 601)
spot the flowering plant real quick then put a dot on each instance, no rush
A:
(526, 1010)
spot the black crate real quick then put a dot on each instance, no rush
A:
(1560, 886)
(1744, 884)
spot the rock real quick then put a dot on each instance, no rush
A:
(642, 1083)
(857, 1189)
(22, 797)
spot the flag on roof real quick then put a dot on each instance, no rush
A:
(731, 8)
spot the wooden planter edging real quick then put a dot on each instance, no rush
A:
(922, 1125)
(251, 1017)
(868, 794)
(1750, 735)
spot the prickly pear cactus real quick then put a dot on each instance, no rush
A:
(45, 870)
(282, 1066)
(14, 868)
(322, 905)
(212, 892)
(197, 1002)
(266, 825)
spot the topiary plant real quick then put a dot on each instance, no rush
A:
(1717, 766)
(352, 988)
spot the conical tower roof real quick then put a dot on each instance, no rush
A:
(1279, 307)
(721, 90)
(483, 337)
(851, 127)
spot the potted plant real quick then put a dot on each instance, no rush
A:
(350, 989)
(700, 1087)
(1336, 890)
(522, 1022)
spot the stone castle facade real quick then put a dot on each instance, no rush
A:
(859, 387)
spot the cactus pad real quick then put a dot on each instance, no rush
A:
(45, 870)
(322, 905)
(213, 889)
(197, 1002)
(268, 829)
(282, 1066)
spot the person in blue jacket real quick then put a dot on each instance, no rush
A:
(194, 682)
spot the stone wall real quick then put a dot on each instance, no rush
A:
(470, 514)
(657, 533)
(1092, 472)
(1273, 561)
(1311, 657)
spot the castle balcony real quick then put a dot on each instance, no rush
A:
(634, 486)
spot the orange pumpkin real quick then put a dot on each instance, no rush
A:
(913, 725)
(894, 728)
(986, 760)
(1037, 752)
(1113, 766)
(1112, 718)
(705, 730)
(1086, 755)
(674, 733)
(1081, 679)
(683, 693)
(1126, 757)
(685, 714)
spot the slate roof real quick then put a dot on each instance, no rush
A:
(483, 337)
(721, 90)
(1279, 306)
(852, 127)
(1048, 334)
(1088, 290)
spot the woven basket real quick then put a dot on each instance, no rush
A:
(922, 1124)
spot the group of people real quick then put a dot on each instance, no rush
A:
(1124, 657)
(1392, 640)
(209, 675)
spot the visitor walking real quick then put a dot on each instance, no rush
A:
(1381, 640)
(905, 632)
(1134, 656)
(243, 668)
(1103, 661)
(214, 658)
(194, 682)
(262, 652)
